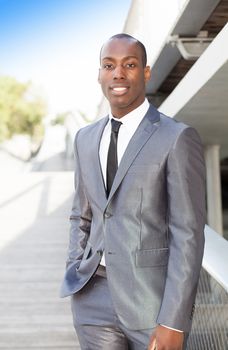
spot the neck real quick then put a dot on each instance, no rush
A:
(120, 113)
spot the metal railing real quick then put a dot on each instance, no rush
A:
(210, 323)
(72, 124)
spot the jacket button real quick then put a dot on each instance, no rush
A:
(107, 215)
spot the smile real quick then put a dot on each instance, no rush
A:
(119, 90)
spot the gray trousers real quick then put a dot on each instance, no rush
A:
(96, 323)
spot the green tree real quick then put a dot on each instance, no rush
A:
(21, 110)
(60, 118)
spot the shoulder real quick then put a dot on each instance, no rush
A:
(175, 132)
(184, 140)
(164, 121)
(175, 127)
(172, 123)
(90, 129)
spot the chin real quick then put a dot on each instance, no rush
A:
(119, 103)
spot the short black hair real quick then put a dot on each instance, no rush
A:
(139, 43)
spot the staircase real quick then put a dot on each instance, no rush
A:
(34, 211)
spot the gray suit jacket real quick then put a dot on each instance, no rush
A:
(150, 227)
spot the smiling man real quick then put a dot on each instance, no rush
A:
(138, 216)
(123, 75)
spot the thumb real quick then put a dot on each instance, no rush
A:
(152, 343)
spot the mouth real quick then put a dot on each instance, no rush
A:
(119, 90)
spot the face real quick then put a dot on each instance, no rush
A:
(122, 75)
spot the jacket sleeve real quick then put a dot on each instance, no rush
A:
(80, 218)
(186, 221)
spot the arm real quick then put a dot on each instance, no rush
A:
(186, 220)
(80, 217)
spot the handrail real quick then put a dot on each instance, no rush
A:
(215, 259)
(72, 125)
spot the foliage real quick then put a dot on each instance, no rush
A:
(84, 116)
(21, 111)
(60, 118)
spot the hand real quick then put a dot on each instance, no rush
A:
(166, 339)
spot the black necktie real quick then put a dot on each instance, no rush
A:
(112, 162)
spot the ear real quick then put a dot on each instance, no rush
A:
(98, 78)
(147, 73)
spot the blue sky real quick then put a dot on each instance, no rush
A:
(56, 44)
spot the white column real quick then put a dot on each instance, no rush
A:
(214, 199)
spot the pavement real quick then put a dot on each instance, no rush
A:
(52, 156)
(34, 212)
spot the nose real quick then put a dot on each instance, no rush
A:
(118, 72)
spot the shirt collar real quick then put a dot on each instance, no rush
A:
(135, 116)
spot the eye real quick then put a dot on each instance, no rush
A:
(108, 66)
(130, 65)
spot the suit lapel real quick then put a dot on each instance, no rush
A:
(144, 131)
(98, 176)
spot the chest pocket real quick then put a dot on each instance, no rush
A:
(144, 168)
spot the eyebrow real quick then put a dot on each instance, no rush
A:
(125, 58)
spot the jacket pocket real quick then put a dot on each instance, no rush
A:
(152, 257)
(87, 251)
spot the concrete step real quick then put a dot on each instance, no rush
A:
(34, 210)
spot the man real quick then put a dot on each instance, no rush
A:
(136, 240)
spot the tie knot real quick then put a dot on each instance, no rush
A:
(115, 125)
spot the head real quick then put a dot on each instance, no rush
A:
(123, 73)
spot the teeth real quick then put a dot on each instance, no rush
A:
(119, 89)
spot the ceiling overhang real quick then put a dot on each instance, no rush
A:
(189, 23)
(201, 97)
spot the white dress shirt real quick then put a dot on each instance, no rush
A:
(130, 122)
